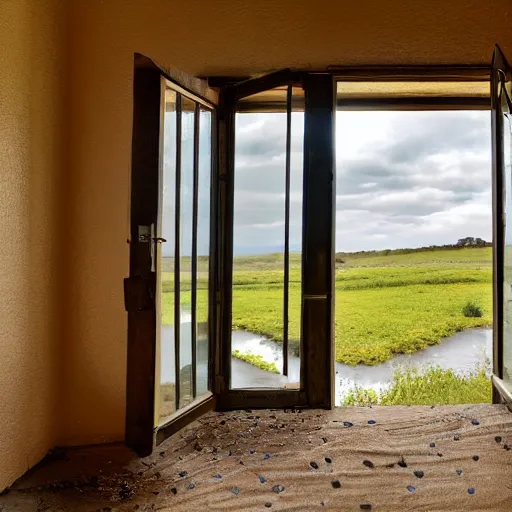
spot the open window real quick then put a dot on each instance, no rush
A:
(283, 309)
(204, 215)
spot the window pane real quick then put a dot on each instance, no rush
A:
(186, 212)
(203, 248)
(259, 241)
(168, 216)
(295, 283)
(507, 261)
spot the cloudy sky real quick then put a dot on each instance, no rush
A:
(404, 179)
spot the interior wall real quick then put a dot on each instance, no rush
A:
(31, 36)
(202, 38)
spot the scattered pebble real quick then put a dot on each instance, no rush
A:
(411, 488)
(365, 506)
(267, 456)
(471, 490)
(371, 422)
(475, 422)
(218, 476)
(191, 485)
(419, 474)
(459, 472)
(230, 453)
(262, 479)
(439, 454)
(162, 454)
(507, 447)
(313, 464)
(268, 504)
(324, 439)
(235, 491)
(368, 463)
(328, 460)
(278, 488)
(182, 474)
(336, 484)
(348, 424)
(174, 490)
(252, 452)
(498, 439)
(476, 458)
(432, 445)
(402, 463)
(456, 437)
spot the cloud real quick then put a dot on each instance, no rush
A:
(403, 179)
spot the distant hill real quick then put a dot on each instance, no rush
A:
(463, 243)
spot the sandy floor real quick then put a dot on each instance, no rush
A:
(412, 458)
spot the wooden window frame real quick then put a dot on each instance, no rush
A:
(318, 251)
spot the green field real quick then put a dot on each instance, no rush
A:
(386, 303)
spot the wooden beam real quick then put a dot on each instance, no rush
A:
(318, 240)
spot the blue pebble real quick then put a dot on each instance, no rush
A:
(432, 445)
(267, 456)
(475, 422)
(218, 476)
(459, 472)
(252, 452)
(348, 424)
(235, 491)
(191, 486)
(471, 490)
(182, 474)
(278, 488)
(262, 479)
(371, 422)
(411, 488)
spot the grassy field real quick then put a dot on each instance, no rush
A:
(385, 304)
(432, 386)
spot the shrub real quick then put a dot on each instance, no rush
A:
(472, 310)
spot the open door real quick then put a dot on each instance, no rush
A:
(501, 105)
(171, 320)
(179, 295)
(297, 112)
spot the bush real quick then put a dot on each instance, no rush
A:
(472, 310)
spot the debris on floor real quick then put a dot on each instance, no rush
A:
(280, 460)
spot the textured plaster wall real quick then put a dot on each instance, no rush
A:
(221, 37)
(31, 35)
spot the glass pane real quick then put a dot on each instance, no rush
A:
(259, 241)
(507, 260)
(186, 214)
(203, 249)
(295, 282)
(167, 229)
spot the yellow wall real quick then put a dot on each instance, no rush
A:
(30, 167)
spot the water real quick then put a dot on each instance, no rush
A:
(462, 352)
